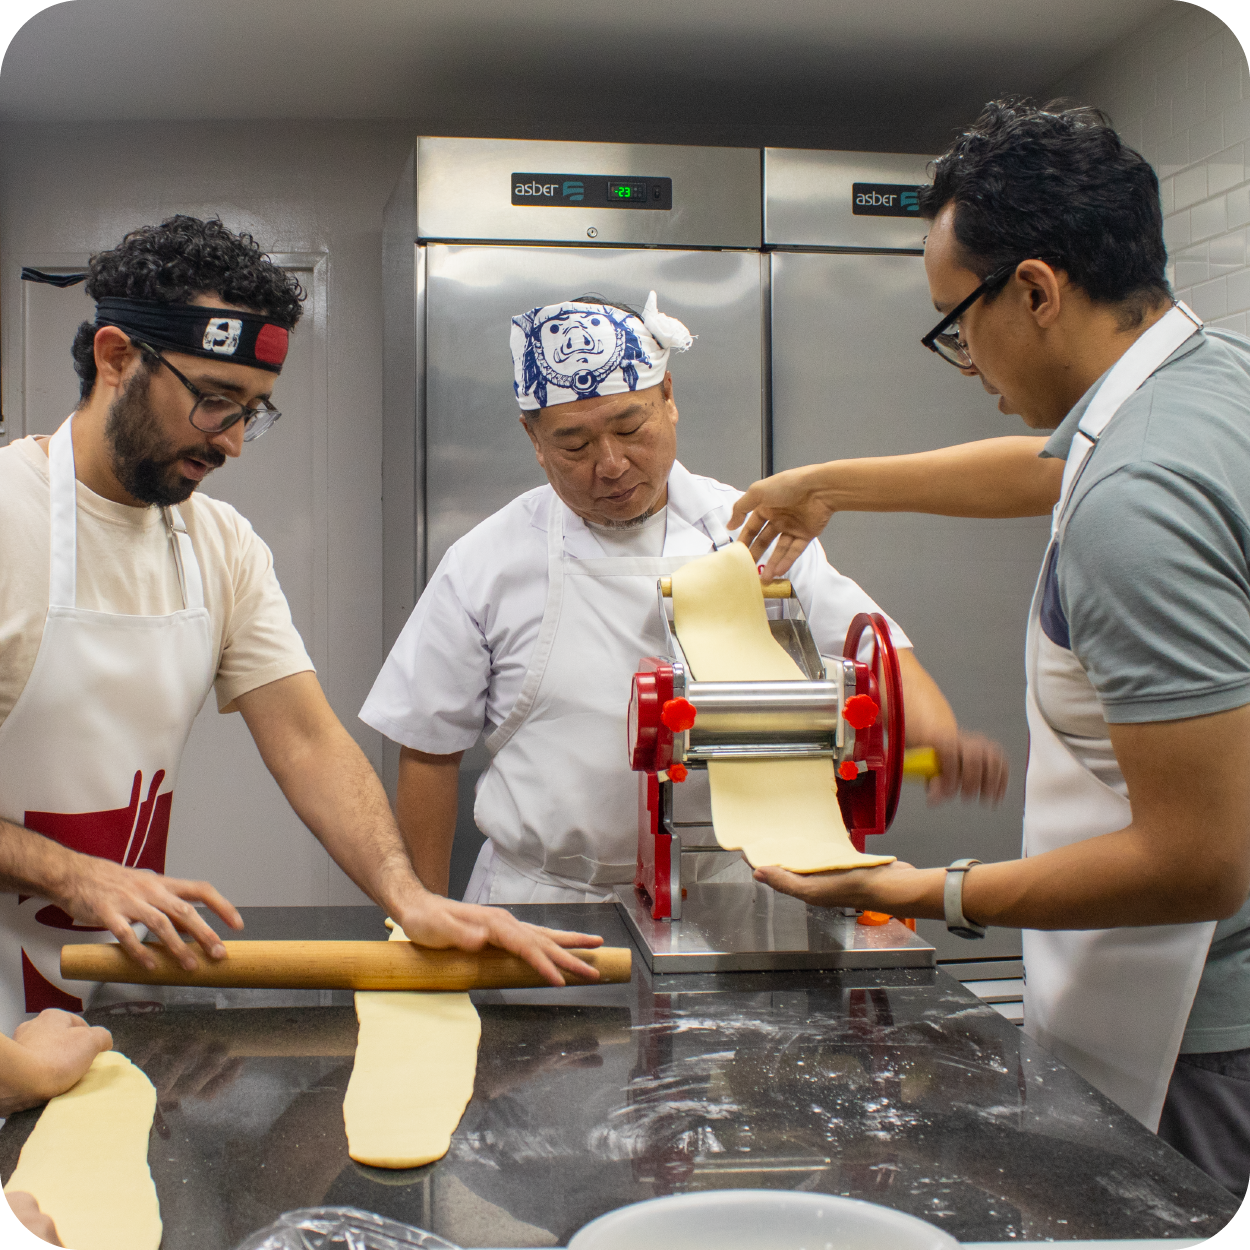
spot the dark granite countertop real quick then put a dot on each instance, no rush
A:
(898, 1087)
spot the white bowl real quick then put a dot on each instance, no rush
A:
(760, 1219)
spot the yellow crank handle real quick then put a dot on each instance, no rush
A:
(920, 764)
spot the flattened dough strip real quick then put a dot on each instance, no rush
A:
(86, 1160)
(416, 1058)
(776, 812)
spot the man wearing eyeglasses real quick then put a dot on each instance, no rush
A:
(125, 597)
(1046, 259)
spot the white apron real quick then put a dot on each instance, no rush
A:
(1111, 1003)
(90, 751)
(558, 803)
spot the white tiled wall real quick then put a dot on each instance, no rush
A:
(1177, 89)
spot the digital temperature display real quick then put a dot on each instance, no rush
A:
(632, 191)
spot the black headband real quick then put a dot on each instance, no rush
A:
(215, 333)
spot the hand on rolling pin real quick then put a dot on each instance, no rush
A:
(45, 1057)
(100, 892)
(32, 1218)
(432, 920)
(787, 508)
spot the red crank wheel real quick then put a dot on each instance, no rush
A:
(884, 664)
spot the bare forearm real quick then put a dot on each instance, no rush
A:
(336, 793)
(927, 714)
(33, 864)
(24, 1080)
(426, 811)
(1101, 883)
(994, 477)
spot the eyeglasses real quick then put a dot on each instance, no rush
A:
(215, 414)
(950, 346)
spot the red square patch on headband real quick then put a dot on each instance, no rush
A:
(271, 344)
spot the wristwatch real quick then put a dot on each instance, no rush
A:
(953, 898)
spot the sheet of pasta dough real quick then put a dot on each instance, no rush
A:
(86, 1161)
(416, 1057)
(782, 812)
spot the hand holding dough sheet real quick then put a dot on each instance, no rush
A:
(782, 812)
(416, 1057)
(86, 1161)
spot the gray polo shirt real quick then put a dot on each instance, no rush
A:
(1150, 588)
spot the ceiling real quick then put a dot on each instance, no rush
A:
(816, 71)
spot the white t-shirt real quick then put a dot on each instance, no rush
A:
(458, 665)
(126, 565)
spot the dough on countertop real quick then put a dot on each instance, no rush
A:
(416, 1058)
(782, 812)
(86, 1161)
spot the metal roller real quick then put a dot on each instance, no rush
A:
(763, 707)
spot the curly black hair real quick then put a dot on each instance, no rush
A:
(177, 260)
(1056, 183)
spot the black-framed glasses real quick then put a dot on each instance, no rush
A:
(215, 414)
(951, 347)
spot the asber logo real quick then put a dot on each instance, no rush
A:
(535, 190)
(885, 199)
(221, 335)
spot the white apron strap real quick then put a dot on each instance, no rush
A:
(1130, 371)
(189, 579)
(496, 740)
(716, 530)
(63, 573)
(63, 581)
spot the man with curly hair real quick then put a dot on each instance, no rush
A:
(125, 596)
(1046, 259)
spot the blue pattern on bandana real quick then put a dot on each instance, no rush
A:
(576, 349)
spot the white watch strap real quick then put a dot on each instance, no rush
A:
(953, 901)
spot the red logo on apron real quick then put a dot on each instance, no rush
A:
(135, 835)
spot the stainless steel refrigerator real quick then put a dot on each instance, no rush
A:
(465, 251)
(801, 274)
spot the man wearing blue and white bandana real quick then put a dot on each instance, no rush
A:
(533, 624)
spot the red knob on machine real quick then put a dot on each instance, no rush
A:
(860, 711)
(678, 715)
(847, 771)
(678, 772)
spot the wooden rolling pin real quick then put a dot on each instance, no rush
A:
(331, 966)
(780, 589)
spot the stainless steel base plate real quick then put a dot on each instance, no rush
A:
(747, 927)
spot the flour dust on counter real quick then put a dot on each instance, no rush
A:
(776, 812)
(86, 1161)
(416, 1055)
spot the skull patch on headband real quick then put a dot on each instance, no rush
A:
(566, 352)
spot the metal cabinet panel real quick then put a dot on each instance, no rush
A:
(464, 191)
(850, 378)
(808, 199)
(478, 457)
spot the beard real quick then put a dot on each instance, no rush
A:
(634, 522)
(142, 461)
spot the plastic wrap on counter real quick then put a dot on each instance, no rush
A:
(341, 1228)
